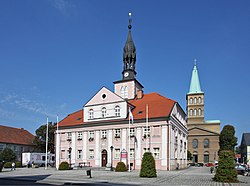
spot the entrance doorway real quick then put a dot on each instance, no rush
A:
(104, 158)
(195, 158)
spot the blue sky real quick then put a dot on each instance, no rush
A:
(56, 54)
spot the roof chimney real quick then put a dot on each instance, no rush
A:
(139, 94)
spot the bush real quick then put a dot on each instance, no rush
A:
(7, 165)
(226, 171)
(18, 164)
(121, 167)
(64, 166)
(7, 155)
(148, 166)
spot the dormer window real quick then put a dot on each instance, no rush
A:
(104, 112)
(91, 114)
(117, 111)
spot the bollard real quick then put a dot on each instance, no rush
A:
(89, 173)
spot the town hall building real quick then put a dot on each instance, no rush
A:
(121, 125)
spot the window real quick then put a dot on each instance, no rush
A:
(191, 100)
(91, 153)
(117, 110)
(146, 131)
(206, 157)
(69, 136)
(190, 112)
(62, 154)
(122, 92)
(176, 142)
(195, 100)
(156, 153)
(199, 100)
(1, 147)
(104, 112)
(117, 153)
(104, 134)
(79, 154)
(91, 135)
(181, 145)
(195, 112)
(195, 143)
(199, 112)
(146, 150)
(79, 135)
(206, 143)
(132, 132)
(126, 92)
(91, 114)
(69, 154)
(117, 133)
(132, 153)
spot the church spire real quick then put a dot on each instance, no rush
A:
(195, 83)
(129, 54)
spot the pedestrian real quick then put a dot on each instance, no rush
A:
(13, 166)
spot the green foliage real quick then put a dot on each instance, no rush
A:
(148, 166)
(7, 165)
(7, 155)
(227, 139)
(64, 166)
(226, 171)
(40, 138)
(1, 166)
(189, 155)
(18, 164)
(121, 167)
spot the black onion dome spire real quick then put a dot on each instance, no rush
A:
(129, 50)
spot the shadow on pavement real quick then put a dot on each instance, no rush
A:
(23, 180)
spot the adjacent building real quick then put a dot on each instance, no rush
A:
(245, 148)
(17, 139)
(203, 138)
(121, 125)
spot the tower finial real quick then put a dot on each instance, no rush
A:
(130, 21)
(195, 61)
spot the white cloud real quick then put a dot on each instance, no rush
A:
(62, 5)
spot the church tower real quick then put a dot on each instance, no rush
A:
(195, 99)
(129, 87)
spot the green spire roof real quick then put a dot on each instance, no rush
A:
(195, 83)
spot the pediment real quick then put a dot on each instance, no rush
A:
(201, 131)
(104, 96)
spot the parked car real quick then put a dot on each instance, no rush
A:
(241, 169)
(209, 164)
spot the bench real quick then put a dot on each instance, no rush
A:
(84, 164)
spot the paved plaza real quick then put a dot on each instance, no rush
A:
(191, 176)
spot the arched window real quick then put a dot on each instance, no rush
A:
(195, 112)
(91, 114)
(117, 110)
(190, 112)
(199, 112)
(191, 100)
(195, 143)
(195, 100)
(206, 143)
(104, 111)
(122, 92)
(126, 92)
(199, 100)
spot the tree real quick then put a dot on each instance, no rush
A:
(40, 138)
(226, 171)
(148, 166)
(7, 155)
(189, 155)
(227, 140)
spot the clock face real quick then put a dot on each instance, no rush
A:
(126, 74)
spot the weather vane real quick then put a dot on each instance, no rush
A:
(130, 20)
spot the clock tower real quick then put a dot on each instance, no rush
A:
(128, 87)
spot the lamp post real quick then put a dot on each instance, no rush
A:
(70, 149)
(111, 148)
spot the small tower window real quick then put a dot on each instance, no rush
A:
(199, 112)
(199, 100)
(126, 92)
(117, 110)
(195, 100)
(190, 112)
(195, 112)
(191, 100)
(122, 92)
(104, 112)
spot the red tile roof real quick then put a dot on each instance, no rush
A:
(15, 136)
(158, 106)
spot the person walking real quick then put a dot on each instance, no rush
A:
(13, 166)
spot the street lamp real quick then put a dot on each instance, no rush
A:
(70, 149)
(111, 148)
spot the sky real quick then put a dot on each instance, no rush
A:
(56, 54)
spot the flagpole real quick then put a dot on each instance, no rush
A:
(147, 127)
(129, 141)
(46, 158)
